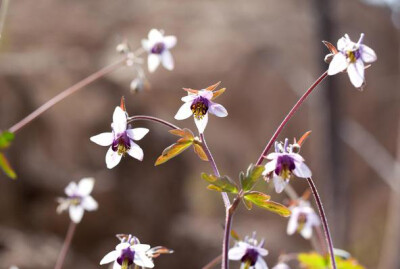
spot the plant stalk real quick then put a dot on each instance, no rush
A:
(65, 247)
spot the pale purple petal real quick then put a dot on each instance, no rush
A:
(342, 43)
(119, 120)
(71, 189)
(302, 170)
(367, 54)
(112, 158)
(146, 45)
(137, 133)
(262, 251)
(184, 111)
(306, 232)
(260, 264)
(122, 246)
(136, 152)
(279, 183)
(269, 167)
(338, 64)
(189, 98)
(155, 36)
(201, 123)
(76, 213)
(356, 73)
(236, 253)
(218, 110)
(169, 41)
(293, 222)
(89, 204)
(141, 247)
(141, 259)
(110, 257)
(153, 61)
(206, 94)
(85, 186)
(167, 60)
(273, 155)
(103, 139)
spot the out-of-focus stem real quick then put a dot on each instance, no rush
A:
(3, 14)
(213, 263)
(324, 221)
(154, 119)
(289, 116)
(65, 247)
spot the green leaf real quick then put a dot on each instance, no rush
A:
(253, 174)
(316, 261)
(247, 204)
(262, 200)
(6, 138)
(221, 184)
(198, 149)
(6, 167)
(173, 150)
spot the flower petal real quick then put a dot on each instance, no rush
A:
(153, 61)
(269, 167)
(206, 94)
(141, 259)
(76, 213)
(236, 253)
(89, 204)
(122, 246)
(110, 257)
(343, 42)
(279, 183)
(85, 186)
(137, 133)
(201, 123)
(141, 247)
(262, 251)
(260, 264)
(155, 35)
(119, 120)
(218, 110)
(146, 45)
(356, 73)
(71, 189)
(112, 158)
(135, 151)
(167, 60)
(184, 111)
(116, 265)
(293, 222)
(367, 54)
(169, 41)
(302, 170)
(103, 139)
(189, 98)
(338, 64)
(307, 230)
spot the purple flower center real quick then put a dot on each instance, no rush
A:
(353, 55)
(250, 256)
(158, 48)
(121, 143)
(284, 166)
(199, 107)
(126, 254)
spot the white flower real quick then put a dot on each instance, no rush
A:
(126, 254)
(121, 139)
(352, 56)
(199, 104)
(250, 253)
(281, 265)
(78, 199)
(285, 162)
(302, 219)
(158, 46)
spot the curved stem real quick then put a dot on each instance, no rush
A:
(66, 93)
(65, 247)
(289, 116)
(154, 119)
(324, 221)
(213, 263)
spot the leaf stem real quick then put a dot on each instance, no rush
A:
(324, 221)
(65, 247)
(289, 116)
(154, 119)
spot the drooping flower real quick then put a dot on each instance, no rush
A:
(303, 219)
(78, 200)
(351, 57)
(158, 46)
(249, 252)
(285, 162)
(129, 251)
(199, 103)
(121, 139)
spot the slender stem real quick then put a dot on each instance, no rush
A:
(3, 14)
(213, 263)
(227, 233)
(65, 247)
(324, 221)
(66, 93)
(289, 116)
(150, 118)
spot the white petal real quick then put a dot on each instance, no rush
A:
(103, 139)
(206, 94)
(119, 120)
(141, 247)
(110, 257)
(155, 35)
(279, 183)
(292, 224)
(236, 253)
(342, 43)
(71, 189)
(189, 98)
(356, 73)
(136, 152)
(218, 110)
(141, 259)
(146, 45)
(273, 155)
(85, 186)
(116, 265)
(137, 133)
(122, 246)
(302, 170)
(262, 251)
(367, 54)
(338, 64)
(306, 232)
(269, 167)
(112, 158)
(184, 111)
(202, 123)
(76, 213)
(89, 204)
(260, 264)
(169, 41)
(167, 60)
(153, 61)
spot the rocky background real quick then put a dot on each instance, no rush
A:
(265, 52)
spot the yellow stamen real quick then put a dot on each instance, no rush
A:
(199, 109)
(125, 264)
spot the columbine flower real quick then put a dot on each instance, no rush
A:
(285, 162)
(250, 253)
(352, 56)
(158, 47)
(130, 251)
(303, 219)
(78, 199)
(121, 139)
(198, 104)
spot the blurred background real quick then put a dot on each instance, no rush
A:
(266, 53)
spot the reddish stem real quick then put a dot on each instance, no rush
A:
(65, 247)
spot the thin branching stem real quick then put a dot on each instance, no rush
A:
(213, 263)
(154, 119)
(65, 247)
(324, 221)
(289, 116)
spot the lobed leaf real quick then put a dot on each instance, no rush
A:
(198, 149)
(262, 200)
(185, 133)
(6, 138)
(173, 150)
(6, 167)
(221, 184)
(314, 260)
(253, 174)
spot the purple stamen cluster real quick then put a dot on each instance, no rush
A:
(126, 254)
(284, 163)
(250, 256)
(121, 143)
(158, 48)
(199, 107)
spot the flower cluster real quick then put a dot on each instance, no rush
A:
(303, 219)
(249, 252)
